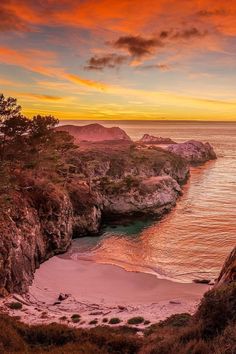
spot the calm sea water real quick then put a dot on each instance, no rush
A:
(194, 239)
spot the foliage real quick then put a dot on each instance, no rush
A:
(135, 320)
(15, 305)
(114, 320)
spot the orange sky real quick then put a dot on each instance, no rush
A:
(127, 59)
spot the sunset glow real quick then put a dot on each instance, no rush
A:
(127, 59)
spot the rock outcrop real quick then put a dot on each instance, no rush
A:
(228, 272)
(94, 132)
(38, 218)
(193, 151)
(36, 225)
(150, 139)
(155, 195)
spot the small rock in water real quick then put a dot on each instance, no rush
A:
(202, 281)
(122, 308)
(174, 302)
(62, 296)
(56, 303)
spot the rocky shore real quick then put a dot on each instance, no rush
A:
(41, 215)
(193, 151)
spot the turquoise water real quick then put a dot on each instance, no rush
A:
(193, 240)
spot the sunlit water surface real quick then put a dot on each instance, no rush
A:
(193, 240)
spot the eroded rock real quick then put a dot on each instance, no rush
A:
(193, 151)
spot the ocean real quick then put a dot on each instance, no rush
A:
(193, 240)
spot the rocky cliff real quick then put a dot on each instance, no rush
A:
(193, 151)
(94, 132)
(155, 195)
(34, 225)
(228, 272)
(39, 216)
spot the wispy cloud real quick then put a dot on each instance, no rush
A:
(85, 82)
(161, 67)
(137, 46)
(40, 96)
(106, 61)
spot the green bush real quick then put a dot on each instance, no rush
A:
(114, 320)
(135, 320)
(15, 305)
(76, 318)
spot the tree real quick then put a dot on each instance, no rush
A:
(42, 127)
(13, 125)
(8, 108)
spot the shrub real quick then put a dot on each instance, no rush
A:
(15, 305)
(135, 320)
(93, 322)
(63, 318)
(178, 320)
(217, 310)
(114, 320)
(76, 318)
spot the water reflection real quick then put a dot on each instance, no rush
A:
(194, 239)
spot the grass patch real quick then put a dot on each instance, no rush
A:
(114, 320)
(75, 318)
(15, 305)
(63, 318)
(135, 320)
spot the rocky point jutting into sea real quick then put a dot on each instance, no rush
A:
(40, 216)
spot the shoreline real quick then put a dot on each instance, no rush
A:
(97, 291)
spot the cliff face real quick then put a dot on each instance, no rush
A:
(33, 227)
(155, 195)
(228, 272)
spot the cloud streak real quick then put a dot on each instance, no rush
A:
(85, 82)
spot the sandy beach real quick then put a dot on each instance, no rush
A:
(98, 291)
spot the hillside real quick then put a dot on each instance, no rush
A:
(94, 132)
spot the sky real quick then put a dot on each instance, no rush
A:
(120, 59)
